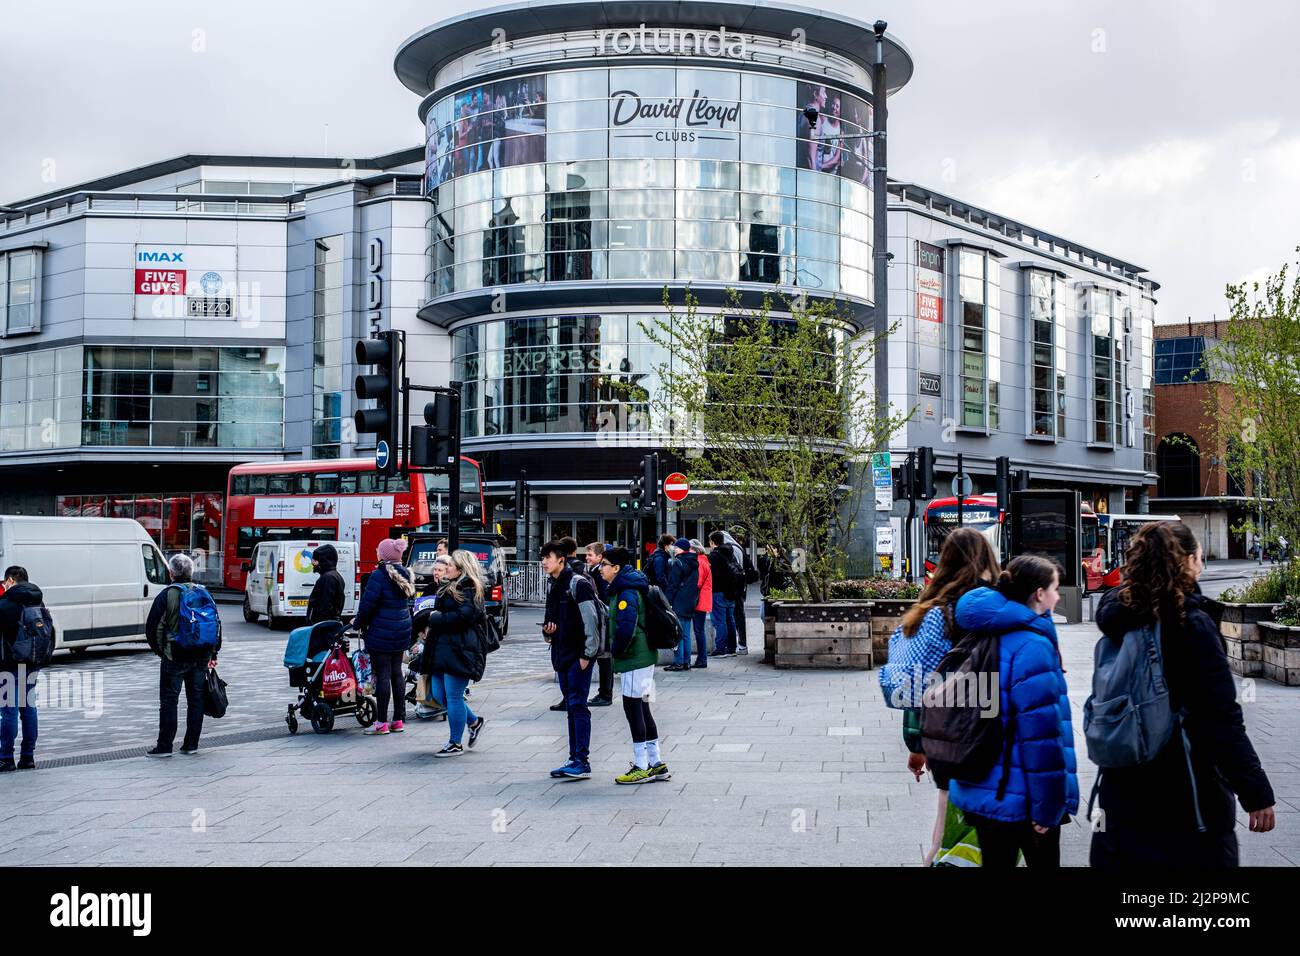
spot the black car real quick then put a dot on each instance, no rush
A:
(422, 548)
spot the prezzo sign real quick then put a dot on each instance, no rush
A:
(646, 40)
(179, 282)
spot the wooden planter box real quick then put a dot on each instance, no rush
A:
(836, 635)
(769, 631)
(886, 615)
(1281, 652)
(1239, 628)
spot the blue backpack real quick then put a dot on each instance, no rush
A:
(198, 624)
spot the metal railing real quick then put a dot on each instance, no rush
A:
(526, 582)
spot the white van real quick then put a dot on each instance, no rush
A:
(99, 576)
(280, 578)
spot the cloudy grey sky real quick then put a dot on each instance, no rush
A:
(1164, 133)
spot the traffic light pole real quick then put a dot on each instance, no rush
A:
(453, 471)
(911, 514)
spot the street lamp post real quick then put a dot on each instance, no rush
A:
(880, 228)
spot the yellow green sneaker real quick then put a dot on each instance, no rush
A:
(660, 771)
(635, 775)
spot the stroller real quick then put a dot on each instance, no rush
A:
(320, 668)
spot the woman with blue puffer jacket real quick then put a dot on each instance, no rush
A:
(1021, 803)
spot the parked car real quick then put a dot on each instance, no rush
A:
(279, 578)
(422, 548)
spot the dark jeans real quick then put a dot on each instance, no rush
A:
(1000, 842)
(171, 676)
(740, 622)
(605, 669)
(389, 682)
(724, 625)
(575, 684)
(18, 697)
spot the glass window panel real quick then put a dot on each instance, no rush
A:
(707, 235)
(576, 85)
(758, 88)
(707, 174)
(972, 289)
(775, 180)
(582, 145)
(641, 173)
(519, 180)
(817, 245)
(640, 265)
(577, 175)
(647, 234)
(707, 204)
(820, 216)
(822, 187)
(641, 204)
(715, 266)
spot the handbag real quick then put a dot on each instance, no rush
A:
(215, 700)
(490, 634)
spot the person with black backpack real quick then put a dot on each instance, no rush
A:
(1016, 780)
(26, 642)
(725, 560)
(184, 630)
(634, 662)
(1174, 807)
(573, 615)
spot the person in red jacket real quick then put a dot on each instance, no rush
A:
(704, 606)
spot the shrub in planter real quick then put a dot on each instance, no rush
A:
(1239, 611)
(874, 589)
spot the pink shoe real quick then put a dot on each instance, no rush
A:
(397, 726)
(375, 729)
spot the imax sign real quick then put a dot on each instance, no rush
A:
(148, 256)
(666, 40)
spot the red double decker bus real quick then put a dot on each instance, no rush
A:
(338, 500)
(981, 513)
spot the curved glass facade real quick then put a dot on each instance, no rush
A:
(653, 174)
(586, 373)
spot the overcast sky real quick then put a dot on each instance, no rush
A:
(1163, 133)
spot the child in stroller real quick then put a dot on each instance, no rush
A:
(321, 669)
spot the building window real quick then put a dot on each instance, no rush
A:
(20, 292)
(40, 399)
(980, 354)
(1105, 321)
(1178, 464)
(1048, 345)
(328, 348)
(1179, 360)
(230, 397)
(1146, 381)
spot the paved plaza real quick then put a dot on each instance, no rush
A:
(769, 767)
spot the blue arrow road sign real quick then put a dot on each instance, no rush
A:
(381, 455)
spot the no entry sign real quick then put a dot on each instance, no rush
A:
(676, 487)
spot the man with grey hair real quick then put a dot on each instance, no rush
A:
(186, 654)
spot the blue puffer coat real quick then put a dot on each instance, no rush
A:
(1042, 786)
(384, 614)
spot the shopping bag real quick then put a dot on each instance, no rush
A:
(215, 700)
(960, 846)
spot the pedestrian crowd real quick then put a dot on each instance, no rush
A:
(1004, 762)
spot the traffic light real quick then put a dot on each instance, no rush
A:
(1004, 483)
(384, 387)
(1020, 479)
(650, 484)
(925, 473)
(435, 443)
(624, 504)
(907, 479)
(521, 498)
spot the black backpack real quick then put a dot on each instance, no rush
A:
(662, 629)
(959, 738)
(34, 640)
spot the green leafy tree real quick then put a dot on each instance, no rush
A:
(1258, 422)
(777, 418)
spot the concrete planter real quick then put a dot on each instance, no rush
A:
(1281, 652)
(1239, 628)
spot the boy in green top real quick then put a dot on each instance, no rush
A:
(634, 662)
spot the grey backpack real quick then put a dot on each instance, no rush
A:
(1128, 718)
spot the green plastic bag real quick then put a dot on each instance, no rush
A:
(960, 845)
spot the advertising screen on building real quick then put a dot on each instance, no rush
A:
(185, 282)
(492, 125)
(836, 143)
